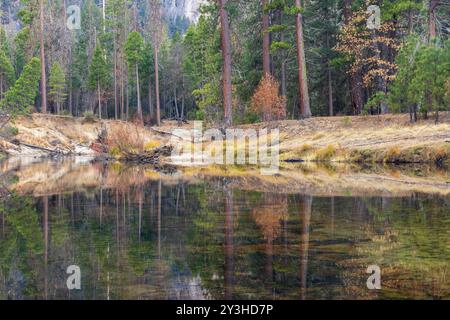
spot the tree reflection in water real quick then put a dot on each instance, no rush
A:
(147, 236)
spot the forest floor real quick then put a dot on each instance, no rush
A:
(358, 139)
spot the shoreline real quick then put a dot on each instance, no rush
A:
(360, 139)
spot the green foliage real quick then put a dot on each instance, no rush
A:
(376, 101)
(279, 45)
(57, 84)
(134, 47)
(423, 72)
(293, 10)
(202, 66)
(21, 41)
(6, 69)
(98, 70)
(20, 98)
(89, 116)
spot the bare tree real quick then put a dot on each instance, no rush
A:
(355, 80)
(156, 26)
(43, 75)
(266, 38)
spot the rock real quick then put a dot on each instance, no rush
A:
(55, 142)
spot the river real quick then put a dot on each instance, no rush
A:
(136, 233)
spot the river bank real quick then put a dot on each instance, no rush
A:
(359, 139)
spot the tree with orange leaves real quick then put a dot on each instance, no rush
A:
(267, 101)
(371, 51)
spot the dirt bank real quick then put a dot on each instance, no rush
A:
(361, 139)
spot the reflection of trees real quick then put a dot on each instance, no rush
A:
(305, 218)
(270, 214)
(22, 237)
(159, 240)
(410, 236)
(229, 250)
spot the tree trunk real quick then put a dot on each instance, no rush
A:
(266, 39)
(127, 107)
(99, 101)
(305, 110)
(177, 113)
(122, 93)
(330, 83)
(283, 67)
(226, 68)
(432, 19)
(138, 91)
(229, 246)
(150, 103)
(42, 49)
(116, 111)
(182, 110)
(355, 79)
(158, 102)
(305, 217)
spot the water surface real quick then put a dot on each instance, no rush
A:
(145, 235)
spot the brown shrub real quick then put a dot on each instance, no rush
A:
(126, 138)
(266, 100)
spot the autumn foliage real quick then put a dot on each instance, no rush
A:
(371, 51)
(266, 100)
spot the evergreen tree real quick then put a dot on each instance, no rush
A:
(57, 86)
(99, 74)
(133, 50)
(6, 72)
(20, 98)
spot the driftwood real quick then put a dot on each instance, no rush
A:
(56, 151)
(149, 157)
(170, 134)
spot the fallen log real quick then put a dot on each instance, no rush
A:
(55, 151)
(149, 157)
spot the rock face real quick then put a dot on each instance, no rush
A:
(183, 8)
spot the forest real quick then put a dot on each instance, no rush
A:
(238, 62)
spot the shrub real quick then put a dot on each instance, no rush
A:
(89, 116)
(9, 131)
(153, 144)
(267, 102)
(126, 139)
(326, 153)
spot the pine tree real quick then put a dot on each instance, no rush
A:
(98, 74)
(6, 72)
(20, 98)
(226, 67)
(57, 86)
(133, 50)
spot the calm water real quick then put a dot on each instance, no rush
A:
(161, 238)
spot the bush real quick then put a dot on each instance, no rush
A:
(153, 144)
(126, 139)
(267, 102)
(326, 154)
(89, 116)
(9, 131)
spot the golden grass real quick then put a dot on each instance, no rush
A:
(325, 154)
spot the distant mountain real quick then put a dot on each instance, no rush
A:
(180, 14)
(183, 8)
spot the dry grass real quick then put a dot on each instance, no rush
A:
(326, 154)
(126, 139)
